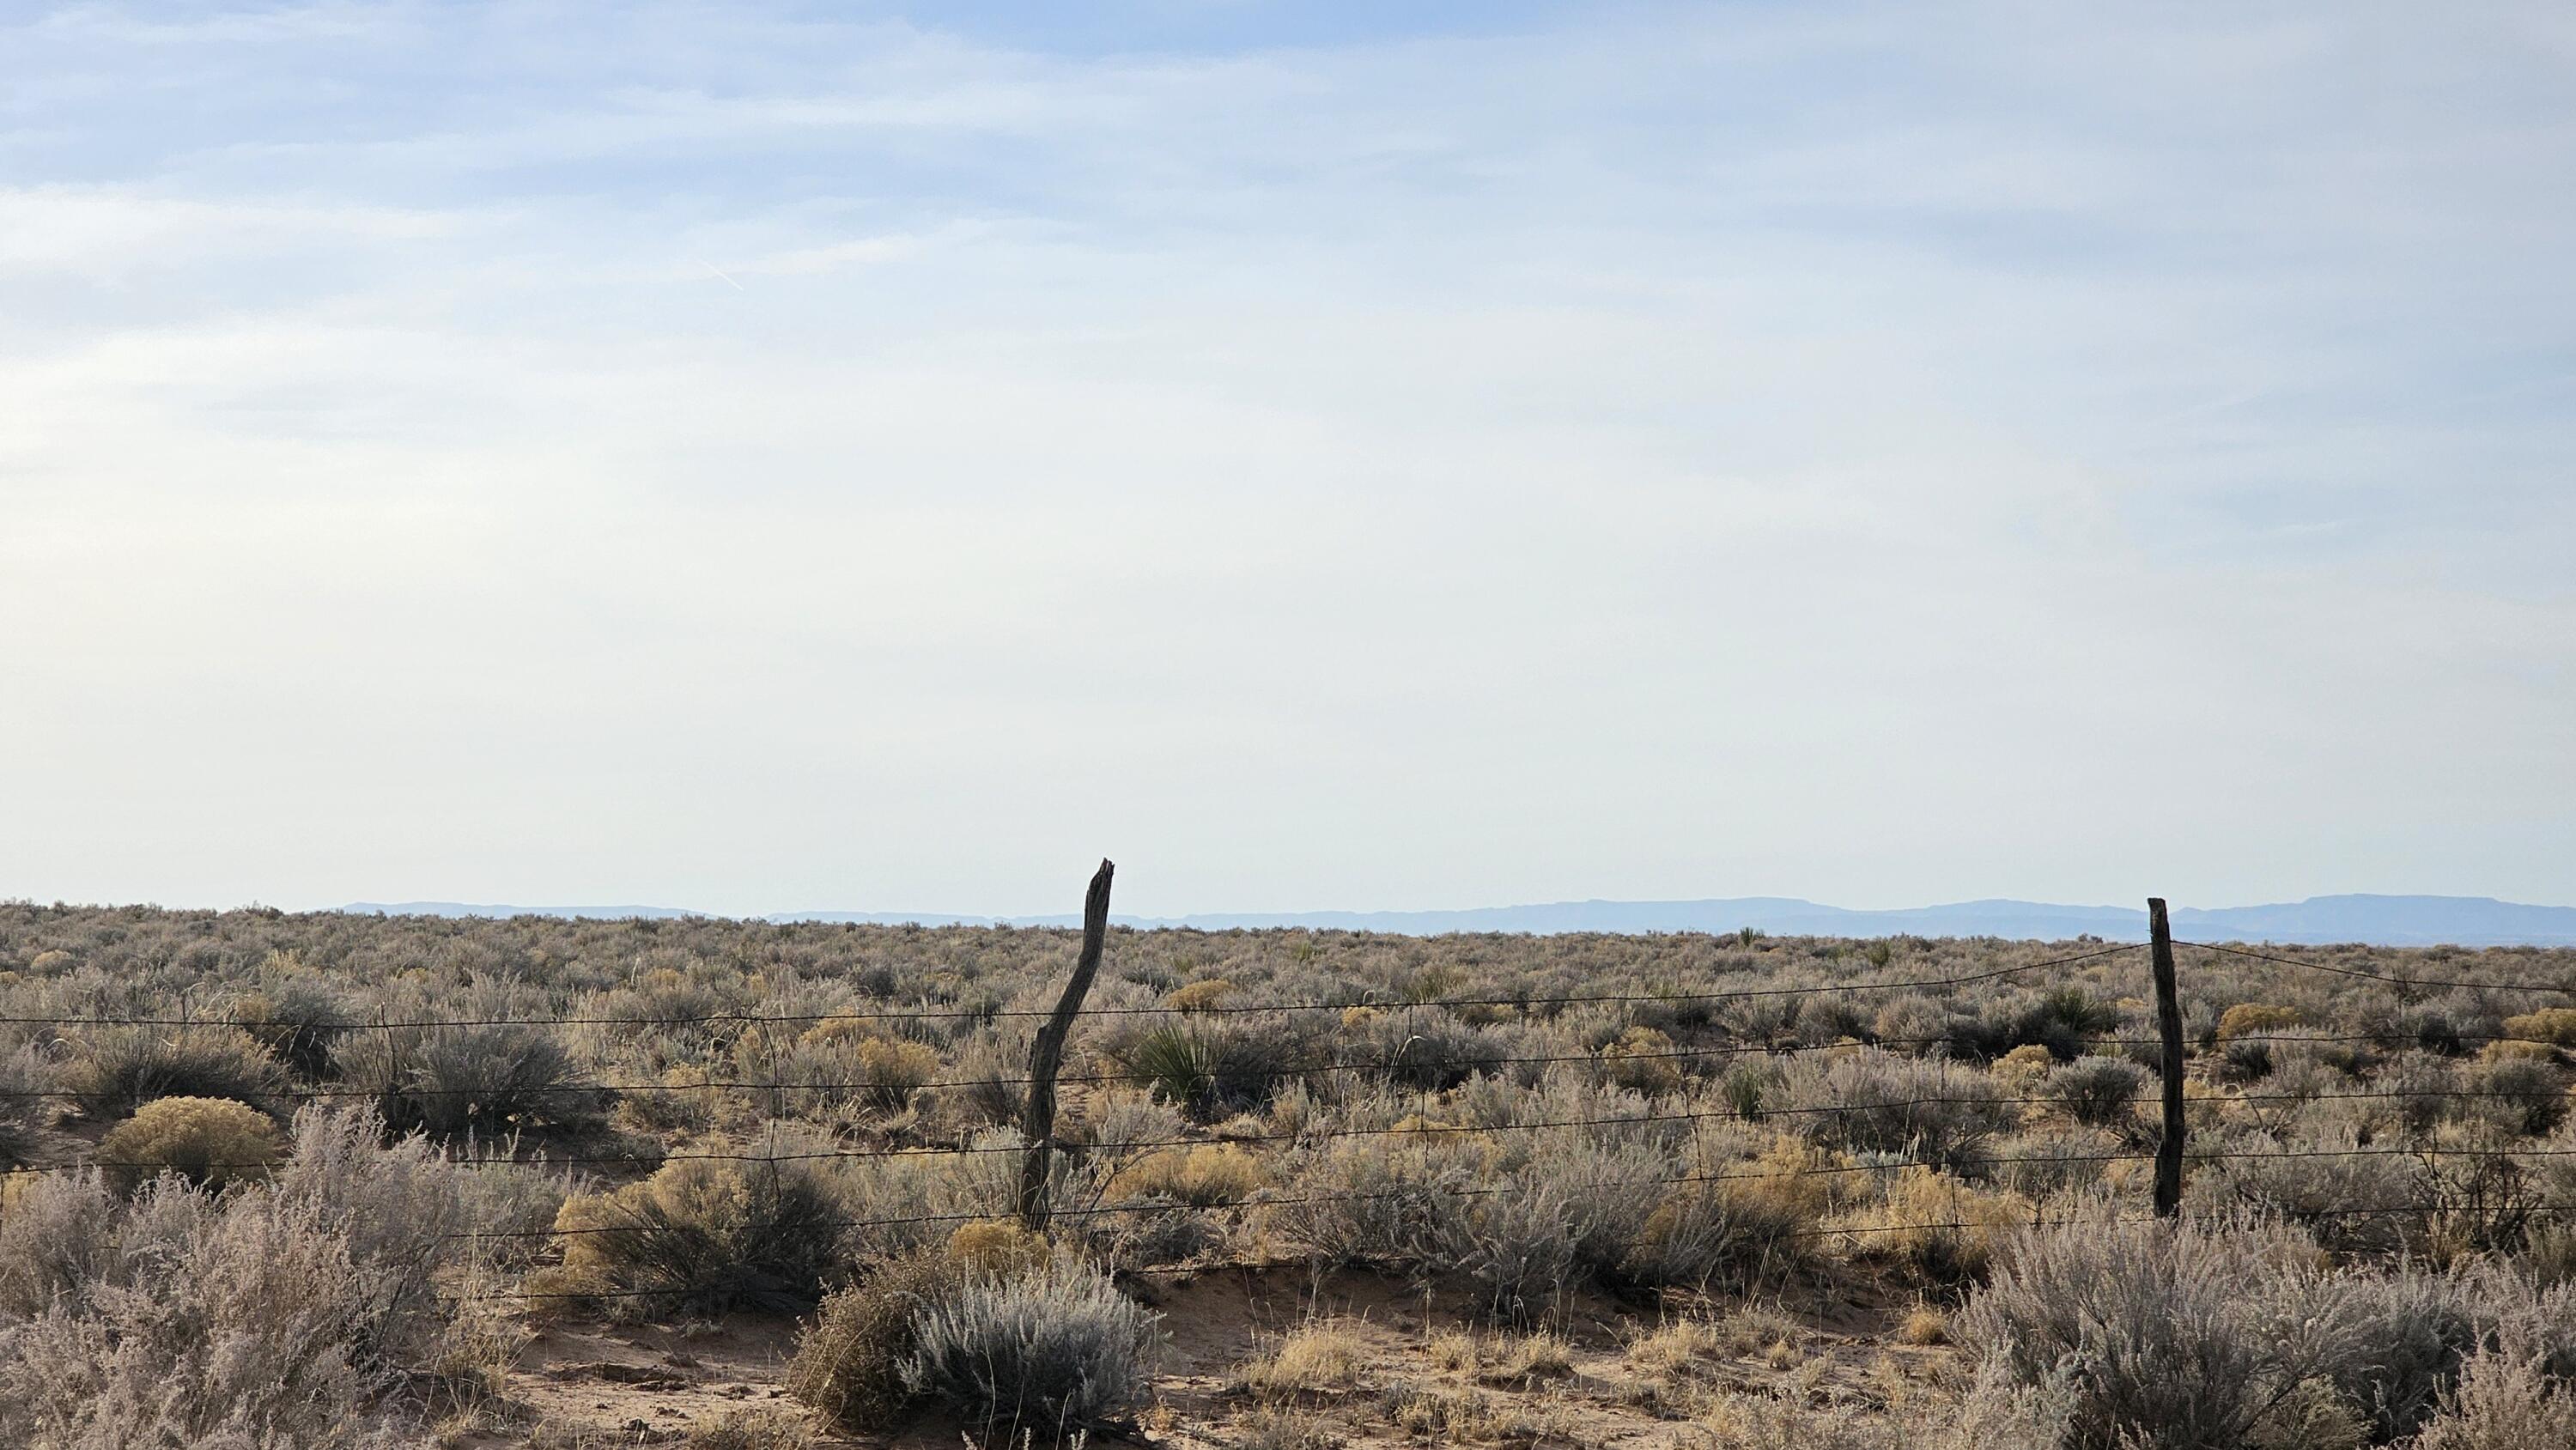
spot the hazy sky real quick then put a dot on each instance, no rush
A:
(760, 457)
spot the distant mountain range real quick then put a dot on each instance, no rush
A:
(2378, 920)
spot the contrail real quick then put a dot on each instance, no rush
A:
(728, 281)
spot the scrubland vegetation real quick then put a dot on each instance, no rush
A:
(1450, 1202)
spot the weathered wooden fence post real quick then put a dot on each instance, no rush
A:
(1037, 1124)
(2169, 1026)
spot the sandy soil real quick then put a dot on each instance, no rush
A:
(593, 1384)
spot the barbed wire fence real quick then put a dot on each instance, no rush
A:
(1038, 1143)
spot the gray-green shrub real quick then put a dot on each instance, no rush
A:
(1866, 1100)
(116, 1069)
(1049, 1352)
(2097, 1091)
(491, 1081)
(2180, 1337)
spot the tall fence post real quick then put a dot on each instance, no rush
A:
(2169, 1026)
(1037, 1124)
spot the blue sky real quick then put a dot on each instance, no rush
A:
(770, 457)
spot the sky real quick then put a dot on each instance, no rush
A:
(762, 457)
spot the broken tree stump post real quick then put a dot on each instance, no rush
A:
(2169, 1027)
(1037, 1123)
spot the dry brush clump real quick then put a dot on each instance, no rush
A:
(1009, 1334)
(2185, 1337)
(208, 1141)
(116, 1069)
(706, 1235)
(452, 1082)
(285, 1311)
(27, 1108)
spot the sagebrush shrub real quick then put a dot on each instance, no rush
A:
(2097, 1091)
(985, 1080)
(1708, 1235)
(2507, 1398)
(115, 1070)
(1872, 1101)
(26, 1079)
(707, 1235)
(1432, 1050)
(1051, 1351)
(849, 1362)
(410, 1213)
(2412, 1332)
(208, 1141)
(1380, 1201)
(2178, 1337)
(491, 1081)
(197, 1321)
(2518, 1094)
(297, 1020)
(56, 1237)
(2324, 1181)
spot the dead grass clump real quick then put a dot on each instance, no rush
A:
(1280, 1427)
(1454, 1350)
(1642, 1061)
(2555, 1025)
(1202, 1176)
(2022, 1068)
(1526, 1358)
(849, 1363)
(1923, 1326)
(2250, 1019)
(208, 1141)
(1478, 1419)
(896, 1071)
(1200, 995)
(998, 1246)
(1319, 1357)
(1934, 1224)
(1675, 1348)
(753, 1430)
